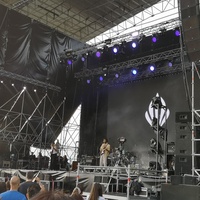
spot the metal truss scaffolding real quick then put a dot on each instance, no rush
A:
(195, 124)
(18, 77)
(34, 128)
(121, 66)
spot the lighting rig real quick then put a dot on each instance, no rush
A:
(118, 69)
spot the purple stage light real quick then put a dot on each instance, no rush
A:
(134, 71)
(154, 39)
(69, 62)
(98, 54)
(88, 81)
(82, 58)
(116, 75)
(170, 64)
(101, 78)
(177, 33)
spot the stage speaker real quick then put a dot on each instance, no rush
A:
(176, 179)
(191, 27)
(183, 164)
(183, 117)
(183, 139)
(182, 192)
(190, 180)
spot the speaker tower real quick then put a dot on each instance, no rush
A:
(190, 16)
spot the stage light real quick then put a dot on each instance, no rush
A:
(134, 45)
(154, 39)
(13, 84)
(170, 64)
(88, 81)
(108, 41)
(69, 61)
(101, 78)
(116, 75)
(35, 90)
(152, 67)
(83, 57)
(134, 71)
(98, 54)
(24, 88)
(2, 82)
(153, 146)
(115, 49)
(177, 32)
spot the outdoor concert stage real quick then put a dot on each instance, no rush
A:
(114, 183)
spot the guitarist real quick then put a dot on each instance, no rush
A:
(104, 152)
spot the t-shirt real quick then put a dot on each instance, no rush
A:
(12, 195)
(25, 185)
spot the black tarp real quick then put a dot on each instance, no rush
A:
(31, 49)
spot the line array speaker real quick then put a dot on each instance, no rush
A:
(191, 27)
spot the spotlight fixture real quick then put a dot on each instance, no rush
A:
(115, 49)
(153, 146)
(2, 82)
(69, 62)
(98, 53)
(116, 75)
(177, 32)
(88, 81)
(154, 39)
(35, 90)
(170, 64)
(134, 44)
(134, 71)
(83, 57)
(152, 67)
(101, 78)
(13, 84)
(108, 41)
(68, 52)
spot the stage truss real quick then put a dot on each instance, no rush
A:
(21, 130)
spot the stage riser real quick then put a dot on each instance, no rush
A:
(180, 192)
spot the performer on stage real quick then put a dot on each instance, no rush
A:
(54, 158)
(104, 152)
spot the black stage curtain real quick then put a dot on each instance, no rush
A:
(33, 50)
(93, 119)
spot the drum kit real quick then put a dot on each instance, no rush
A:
(120, 157)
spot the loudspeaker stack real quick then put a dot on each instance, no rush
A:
(190, 15)
(183, 143)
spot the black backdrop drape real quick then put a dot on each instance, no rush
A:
(33, 50)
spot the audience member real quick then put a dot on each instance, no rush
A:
(13, 193)
(29, 181)
(51, 195)
(32, 191)
(2, 187)
(77, 194)
(7, 185)
(96, 192)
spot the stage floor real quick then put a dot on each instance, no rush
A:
(114, 184)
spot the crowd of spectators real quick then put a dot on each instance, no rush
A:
(33, 189)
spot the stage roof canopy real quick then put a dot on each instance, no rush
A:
(81, 20)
